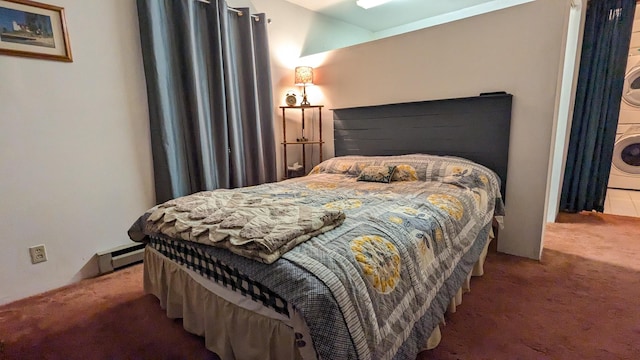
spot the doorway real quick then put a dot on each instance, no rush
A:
(623, 189)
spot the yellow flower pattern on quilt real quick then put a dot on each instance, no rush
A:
(448, 203)
(405, 173)
(357, 167)
(346, 204)
(477, 198)
(317, 185)
(343, 167)
(409, 211)
(439, 235)
(396, 220)
(379, 260)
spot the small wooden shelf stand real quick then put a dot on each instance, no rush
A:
(304, 143)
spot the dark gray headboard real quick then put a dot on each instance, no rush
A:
(476, 128)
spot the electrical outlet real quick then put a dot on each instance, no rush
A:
(38, 254)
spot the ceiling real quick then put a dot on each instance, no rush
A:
(386, 16)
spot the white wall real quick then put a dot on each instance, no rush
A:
(75, 161)
(566, 101)
(518, 50)
(479, 9)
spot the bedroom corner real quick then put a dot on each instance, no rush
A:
(75, 155)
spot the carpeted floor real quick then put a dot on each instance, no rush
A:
(580, 302)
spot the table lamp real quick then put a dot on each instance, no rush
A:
(304, 77)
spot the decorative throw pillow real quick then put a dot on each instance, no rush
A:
(382, 174)
(405, 172)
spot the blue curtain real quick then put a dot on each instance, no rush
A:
(209, 92)
(605, 48)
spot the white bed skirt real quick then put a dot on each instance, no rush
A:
(235, 327)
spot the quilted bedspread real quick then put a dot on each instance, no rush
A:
(368, 287)
(260, 226)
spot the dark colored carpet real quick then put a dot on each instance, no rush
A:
(108, 317)
(582, 301)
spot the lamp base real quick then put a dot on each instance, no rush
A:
(304, 101)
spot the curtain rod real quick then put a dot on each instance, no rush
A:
(239, 12)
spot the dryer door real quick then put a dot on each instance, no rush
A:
(631, 90)
(626, 154)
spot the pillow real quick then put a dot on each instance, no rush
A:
(315, 170)
(358, 166)
(382, 174)
(337, 165)
(440, 170)
(463, 174)
(418, 164)
(405, 172)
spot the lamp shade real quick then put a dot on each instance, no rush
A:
(304, 75)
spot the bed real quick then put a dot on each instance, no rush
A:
(359, 259)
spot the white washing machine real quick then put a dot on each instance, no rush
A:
(625, 164)
(630, 105)
(635, 37)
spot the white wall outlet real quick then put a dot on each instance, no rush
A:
(38, 254)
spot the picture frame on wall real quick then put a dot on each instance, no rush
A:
(33, 29)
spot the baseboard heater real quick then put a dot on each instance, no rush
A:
(119, 257)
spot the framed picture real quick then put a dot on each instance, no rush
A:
(32, 29)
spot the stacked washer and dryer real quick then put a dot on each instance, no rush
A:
(625, 169)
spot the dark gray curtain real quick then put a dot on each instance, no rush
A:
(209, 92)
(605, 48)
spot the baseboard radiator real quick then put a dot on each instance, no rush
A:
(119, 257)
